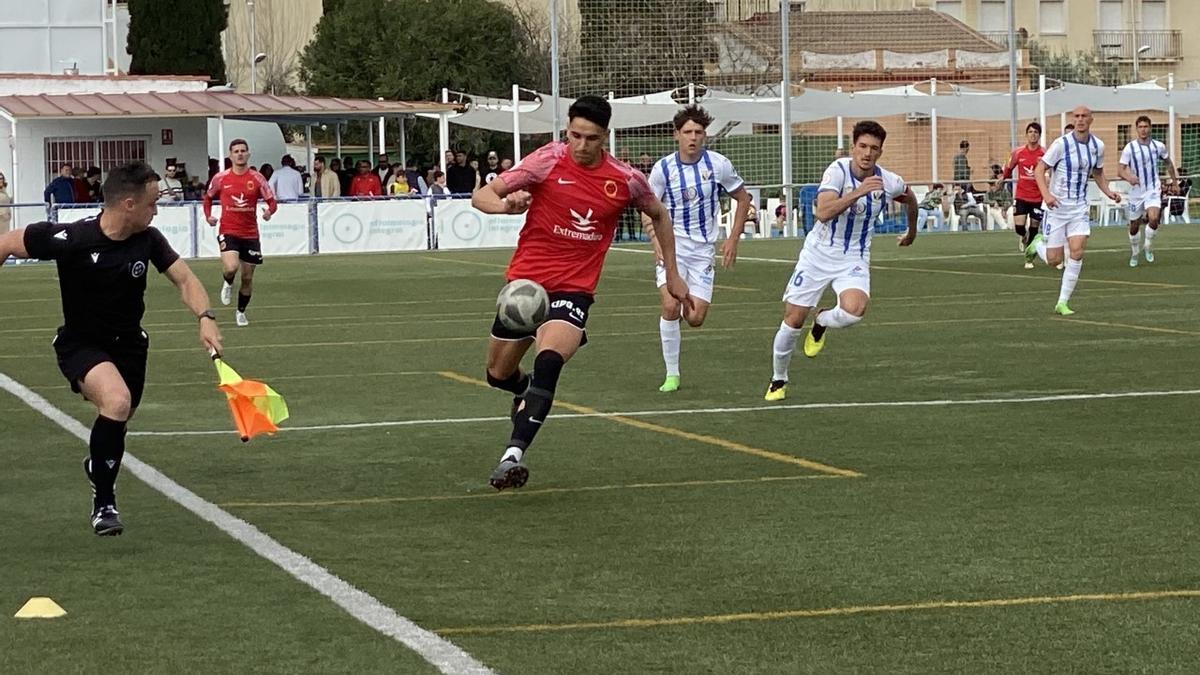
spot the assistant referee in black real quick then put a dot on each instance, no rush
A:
(101, 347)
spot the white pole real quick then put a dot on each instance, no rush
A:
(1012, 72)
(612, 132)
(1062, 122)
(104, 37)
(370, 142)
(1042, 106)
(785, 103)
(382, 136)
(443, 132)
(338, 134)
(403, 145)
(554, 88)
(691, 93)
(220, 142)
(1173, 147)
(516, 112)
(308, 149)
(933, 133)
(841, 129)
(14, 173)
(253, 53)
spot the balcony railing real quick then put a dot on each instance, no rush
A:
(1119, 44)
(1000, 37)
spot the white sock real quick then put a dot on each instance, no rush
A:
(1069, 279)
(513, 453)
(785, 344)
(1041, 250)
(1135, 242)
(837, 318)
(668, 332)
(1150, 232)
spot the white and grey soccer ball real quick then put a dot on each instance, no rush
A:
(522, 305)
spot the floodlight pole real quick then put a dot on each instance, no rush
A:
(555, 91)
(1136, 44)
(1042, 106)
(253, 50)
(516, 112)
(785, 128)
(1012, 71)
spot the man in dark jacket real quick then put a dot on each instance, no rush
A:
(61, 190)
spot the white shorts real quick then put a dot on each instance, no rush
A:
(818, 267)
(694, 260)
(1064, 222)
(1138, 202)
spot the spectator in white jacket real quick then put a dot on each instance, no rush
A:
(287, 181)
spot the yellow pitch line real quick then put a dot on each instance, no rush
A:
(1134, 326)
(1021, 276)
(520, 493)
(818, 613)
(679, 433)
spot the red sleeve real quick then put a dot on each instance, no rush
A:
(640, 194)
(535, 167)
(213, 191)
(376, 185)
(264, 189)
(1012, 163)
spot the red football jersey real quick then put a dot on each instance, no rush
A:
(572, 216)
(239, 194)
(1025, 161)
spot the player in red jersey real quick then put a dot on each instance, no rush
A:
(1028, 202)
(239, 189)
(574, 193)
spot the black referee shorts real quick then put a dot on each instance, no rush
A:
(77, 355)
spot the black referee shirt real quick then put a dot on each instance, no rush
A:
(103, 281)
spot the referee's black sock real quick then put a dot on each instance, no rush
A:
(106, 448)
(538, 398)
(243, 301)
(229, 277)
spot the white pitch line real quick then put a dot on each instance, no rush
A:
(439, 652)
(706, 411)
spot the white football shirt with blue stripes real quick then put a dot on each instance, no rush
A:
(850, 231)
(1073, 162)
(691, 192)
(1142, 159)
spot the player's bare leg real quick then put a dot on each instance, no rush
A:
(850, 309)
(557, 342)
(229, 268)
(244, 291)
(669, 333)
(504, 368)
(785, 343)
(1135, 243)
(106, 389)
(1153, 219)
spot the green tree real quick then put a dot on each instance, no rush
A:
(1080, 68)
(411, 49)
(176, 38)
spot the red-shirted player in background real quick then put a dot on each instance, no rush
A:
(1028, 200)
(239, 189)
(574, 191)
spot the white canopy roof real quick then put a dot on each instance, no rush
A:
(537, 117)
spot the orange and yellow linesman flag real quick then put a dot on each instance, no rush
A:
(257, 408)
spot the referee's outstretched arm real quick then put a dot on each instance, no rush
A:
(196, 298)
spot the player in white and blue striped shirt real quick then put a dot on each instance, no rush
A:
(854, 192)
(1139, 167)
(689, 182)
(1075, 159)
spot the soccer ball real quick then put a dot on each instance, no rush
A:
(522, 305)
